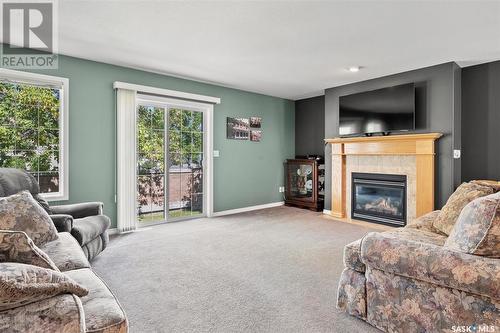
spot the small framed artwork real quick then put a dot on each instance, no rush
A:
(255, 136)
(237, 128)
(255, 122)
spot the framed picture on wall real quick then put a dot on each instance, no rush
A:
(255, 122)
(237, 128)
(255, 136)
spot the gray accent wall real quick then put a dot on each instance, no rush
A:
(481, 121)
(438, 99)
(310, 126)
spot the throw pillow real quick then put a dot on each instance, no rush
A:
(22, 284)
(16, 246)
(21, 212)
(477, 230)
(495, 185)
(464, 194)
(42, 202)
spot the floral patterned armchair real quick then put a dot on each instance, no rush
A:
(409, 279)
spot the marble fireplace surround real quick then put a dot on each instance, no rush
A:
(410, 154)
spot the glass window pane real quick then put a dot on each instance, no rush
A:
(48, 116)
(174, 187)
(196, 161)
(186, 140)
(48, 138)
(197, 121)
(48, 161)
(157, 141)
(7, 133)
(186, 182)
(197, 181)
(144, 198)
(27, 160)
(197, 204)
(158, 118)
(9, 159)
(26, 115)
(187, 120)
(48, 181)
(29, 131)
(6, 113)
(174, 119)
(174, 141)
(26, 138)
(143, 116)
(197, 146)
(157, 197)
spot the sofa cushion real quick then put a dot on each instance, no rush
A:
(494, 184)
(103, 313)
(66, 253)
(477, 230)
(62, 313)
(89, 228)
(16, 246)
(22, 213)
(420, 260)
(352, 256)
(22, 284)
(464, 194)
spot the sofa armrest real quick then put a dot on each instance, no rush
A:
(79, 210)
(432, 263)
(63, 222)
(61, 313)
(425, 222)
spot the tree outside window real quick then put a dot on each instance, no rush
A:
(29, 131)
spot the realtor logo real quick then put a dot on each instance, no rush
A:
(29, 32)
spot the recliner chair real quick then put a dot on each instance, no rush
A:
(85, 221)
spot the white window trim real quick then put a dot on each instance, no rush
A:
(32, 78)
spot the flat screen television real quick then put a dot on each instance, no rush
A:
(378, 111)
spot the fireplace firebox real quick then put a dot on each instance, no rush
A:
(379, 198)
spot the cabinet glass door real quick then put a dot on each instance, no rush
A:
(300, 177)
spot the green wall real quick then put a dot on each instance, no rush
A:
(245, 174)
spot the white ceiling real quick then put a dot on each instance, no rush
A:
(290, 49)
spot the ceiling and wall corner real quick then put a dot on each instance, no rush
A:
(288, 49)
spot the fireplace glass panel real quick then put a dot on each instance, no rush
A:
(380, 200)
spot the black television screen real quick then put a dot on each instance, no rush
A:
(378, 111)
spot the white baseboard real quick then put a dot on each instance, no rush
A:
(113, 231)
(248, 209)
(327, 212)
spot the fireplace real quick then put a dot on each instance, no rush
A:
(379, 198)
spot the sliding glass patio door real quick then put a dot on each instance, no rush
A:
(171, 145)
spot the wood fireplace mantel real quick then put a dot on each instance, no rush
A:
(419, 145)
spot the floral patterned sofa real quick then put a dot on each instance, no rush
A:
(430, 276)
(46, 281)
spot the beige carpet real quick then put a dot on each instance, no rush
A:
(273, 270)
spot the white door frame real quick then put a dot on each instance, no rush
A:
(208, 110)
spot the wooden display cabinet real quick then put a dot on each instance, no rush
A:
(304, 179)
